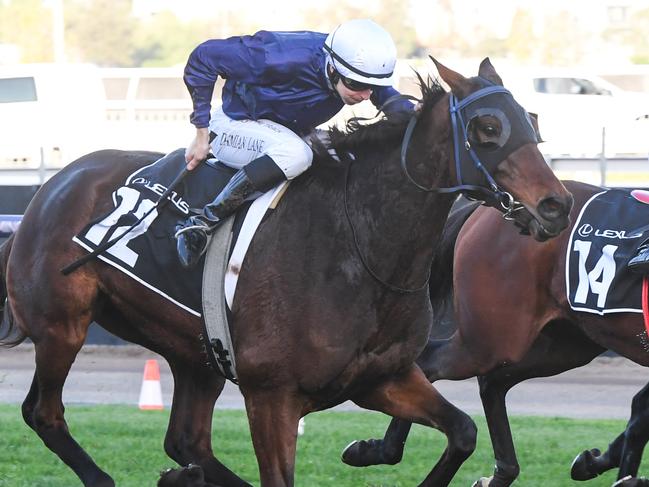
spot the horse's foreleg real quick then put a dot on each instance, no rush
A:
(273, 418)
(188, 438)
(548, 356)
(493, 389)
(438, 360)
(43, 408)
(412, 397)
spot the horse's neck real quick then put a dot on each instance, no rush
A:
(398, 225)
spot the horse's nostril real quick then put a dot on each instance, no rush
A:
(553, 207)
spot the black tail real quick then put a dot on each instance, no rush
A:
(9, 335)
(441, 277)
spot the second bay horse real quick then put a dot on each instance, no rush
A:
(513, 322)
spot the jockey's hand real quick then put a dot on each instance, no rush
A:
(199, 148)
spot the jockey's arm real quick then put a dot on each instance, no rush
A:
(233, 58)
(198, 149)
(382, 94)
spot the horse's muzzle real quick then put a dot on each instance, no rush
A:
(553, 216)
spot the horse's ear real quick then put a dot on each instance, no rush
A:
(534, 118)
(487, 71)
(456, 81)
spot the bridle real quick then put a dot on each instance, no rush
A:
(491, 194)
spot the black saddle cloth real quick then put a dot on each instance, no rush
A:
(605, 237)
(148, 252)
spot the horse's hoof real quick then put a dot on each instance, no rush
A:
(363, 453)
(584, 465)
(629, 481)
(190, 476)
(482, 482)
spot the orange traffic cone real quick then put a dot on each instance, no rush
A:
(151, 393)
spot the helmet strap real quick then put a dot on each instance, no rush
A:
(334, 77)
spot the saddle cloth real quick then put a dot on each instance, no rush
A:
(147, 253)
(605, 237)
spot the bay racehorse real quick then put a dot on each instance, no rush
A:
(514, 322)
(331, 303)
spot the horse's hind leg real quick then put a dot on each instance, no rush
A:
(625, 451)
(43, 408)
(188, 438)
(412, 397)
(636, 434)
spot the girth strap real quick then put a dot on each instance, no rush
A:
(218, 342)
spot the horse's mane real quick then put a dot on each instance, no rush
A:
(386, 131)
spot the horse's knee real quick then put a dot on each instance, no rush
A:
(44, 422)
(464, 436)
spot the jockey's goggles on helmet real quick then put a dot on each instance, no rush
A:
(352, 84)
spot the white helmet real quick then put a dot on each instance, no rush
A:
(363, 51)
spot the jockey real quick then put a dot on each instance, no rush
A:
(278, 87)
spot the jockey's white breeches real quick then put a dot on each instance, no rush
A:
(237, 142)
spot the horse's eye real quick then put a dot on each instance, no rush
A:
(490, 131)
(484, 132)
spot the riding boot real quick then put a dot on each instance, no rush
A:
(192, 234)
(640, 262)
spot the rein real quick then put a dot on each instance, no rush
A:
(375, 276)
(369, 270)
(506, 200)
